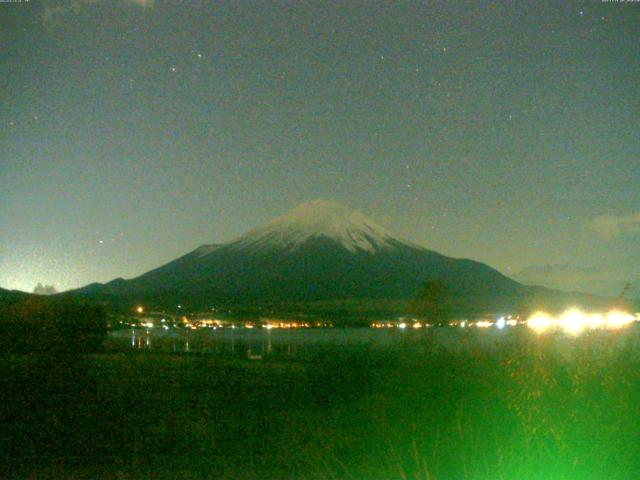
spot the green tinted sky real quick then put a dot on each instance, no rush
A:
(133, 131)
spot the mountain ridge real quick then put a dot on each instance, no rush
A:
(320, 251)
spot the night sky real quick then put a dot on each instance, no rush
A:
(132, 132)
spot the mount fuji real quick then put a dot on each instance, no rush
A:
(318, 252)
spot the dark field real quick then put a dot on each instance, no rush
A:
(526, 410)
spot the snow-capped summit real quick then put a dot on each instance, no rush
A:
(320, 219)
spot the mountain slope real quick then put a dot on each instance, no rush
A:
(11, 296)
(318, 252)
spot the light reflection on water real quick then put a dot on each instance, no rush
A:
(257, 343)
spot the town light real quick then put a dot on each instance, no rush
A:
(574, 321)
(539, 322)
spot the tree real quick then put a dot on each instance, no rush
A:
(433, 303)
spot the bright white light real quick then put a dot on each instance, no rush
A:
(539, 322)
(500, 323)
(574, 321)
(616, 319)
(402, 325)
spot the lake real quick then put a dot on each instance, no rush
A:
(304, 342)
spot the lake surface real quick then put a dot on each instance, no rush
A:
(261, 342)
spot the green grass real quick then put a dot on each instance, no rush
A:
(526, 411)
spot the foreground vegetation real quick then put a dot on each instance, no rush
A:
(528, 410)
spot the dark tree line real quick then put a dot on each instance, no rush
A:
(36, 325)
